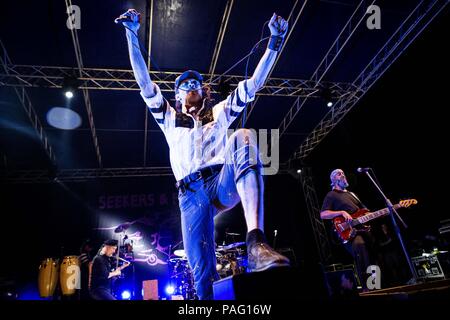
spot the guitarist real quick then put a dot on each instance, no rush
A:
(341, 202)
(101, 272)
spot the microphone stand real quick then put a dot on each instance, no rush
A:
(392, 211)
(274, 239)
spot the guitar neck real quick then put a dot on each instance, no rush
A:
(372, 215)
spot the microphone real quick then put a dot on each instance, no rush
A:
(362, 170)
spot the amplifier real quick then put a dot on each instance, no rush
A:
(428, 267)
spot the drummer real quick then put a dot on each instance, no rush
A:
(101, 272)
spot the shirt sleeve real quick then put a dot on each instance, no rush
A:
(228, 110)
(160, 109)
(327, 203)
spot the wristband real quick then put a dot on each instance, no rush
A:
(275, 43)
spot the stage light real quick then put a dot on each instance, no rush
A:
(295, 168)
(69, 86)
(327, 95)
(68, 94)
(126, 295)
(170, 289)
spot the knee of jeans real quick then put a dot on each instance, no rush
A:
(244, 171)
(245, 136)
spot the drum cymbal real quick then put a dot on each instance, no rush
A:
(179, 253)
(122, 227)
(232, 234)
(231, 246)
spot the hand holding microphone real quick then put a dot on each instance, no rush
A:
(278, 26)
(130, 19)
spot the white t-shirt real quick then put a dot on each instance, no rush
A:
(202, 145)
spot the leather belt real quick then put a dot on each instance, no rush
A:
(198, 175)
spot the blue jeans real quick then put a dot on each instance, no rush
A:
(203, 199)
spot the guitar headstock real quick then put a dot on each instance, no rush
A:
(408, 202)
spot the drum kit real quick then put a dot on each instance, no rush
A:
(231, 260)
(181, 276)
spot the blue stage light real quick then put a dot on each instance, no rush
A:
(126, 295)
(170, 289)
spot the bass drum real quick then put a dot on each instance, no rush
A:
(48, 277)
(69, 278)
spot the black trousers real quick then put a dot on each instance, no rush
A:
(102, 294)
(360, 249)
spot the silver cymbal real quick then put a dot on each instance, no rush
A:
(180, 253)
(122, 227)
(231, 246)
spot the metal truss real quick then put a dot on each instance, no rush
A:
(251, 107)
(122, 79)
(218, 46)
(330, 57)
(318, 227)
(87, 100)
(81, 175)
(406, 33)
(27, 106)
(149, 50)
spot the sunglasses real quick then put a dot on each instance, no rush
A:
(190, 85)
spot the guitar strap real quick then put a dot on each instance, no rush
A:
(357, 199)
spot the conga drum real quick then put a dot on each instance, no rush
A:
(70, 275)
(48, 277)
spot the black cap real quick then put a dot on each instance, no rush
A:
(189, 74)
(111, 242)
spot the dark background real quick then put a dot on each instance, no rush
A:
(398, 129)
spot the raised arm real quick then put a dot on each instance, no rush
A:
(278, 29)
(137, 61)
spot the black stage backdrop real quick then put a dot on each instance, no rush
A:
(53, 220)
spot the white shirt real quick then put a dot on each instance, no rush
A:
(202, 145)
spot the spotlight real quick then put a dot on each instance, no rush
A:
(327, 95)
(70, 84)
(170, 289)
(126, 295)
(294, 167)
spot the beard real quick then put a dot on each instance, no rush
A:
(342, 184)
(193, 98)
